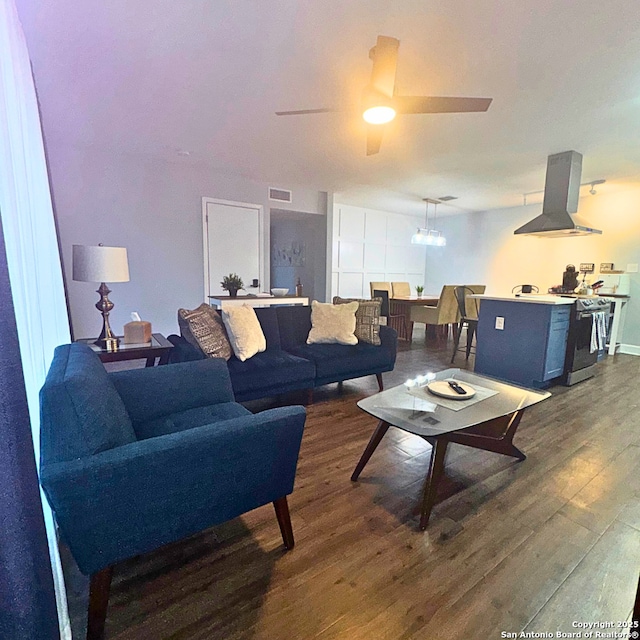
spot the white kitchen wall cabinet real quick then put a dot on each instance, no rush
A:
(371, 245)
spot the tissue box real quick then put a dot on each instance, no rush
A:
(137, 332)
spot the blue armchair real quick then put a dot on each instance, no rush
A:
(136, 459)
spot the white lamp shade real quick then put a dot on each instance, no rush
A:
(100, 264)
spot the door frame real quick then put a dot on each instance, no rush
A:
(205, 237)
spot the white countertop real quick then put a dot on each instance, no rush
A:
(525, 297)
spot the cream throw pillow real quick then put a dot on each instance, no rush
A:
(331, 324)
(244, 331)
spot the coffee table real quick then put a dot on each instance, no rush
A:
(489, 424)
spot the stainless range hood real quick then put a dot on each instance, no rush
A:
(561, 194)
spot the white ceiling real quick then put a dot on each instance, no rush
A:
(206, 76)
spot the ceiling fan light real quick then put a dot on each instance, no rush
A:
(379, 114)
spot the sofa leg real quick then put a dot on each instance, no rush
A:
(284, 520)
(98, 603)
(309, 396)
(379, 379)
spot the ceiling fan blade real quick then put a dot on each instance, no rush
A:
(304, 112)
(385, 62)
(431, 104)
(374, 138)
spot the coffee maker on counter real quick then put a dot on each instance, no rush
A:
(569, 279)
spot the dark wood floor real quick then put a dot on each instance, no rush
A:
(511, 546)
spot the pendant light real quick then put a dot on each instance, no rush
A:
(426, 236)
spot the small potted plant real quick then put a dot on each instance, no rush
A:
(232, 283)
(419, 290)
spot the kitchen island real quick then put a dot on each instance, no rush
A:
(523, 339)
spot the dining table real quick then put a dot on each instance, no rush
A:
(400, 312)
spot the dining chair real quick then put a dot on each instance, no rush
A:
(379, 286)
(385, 308)
(400, 289)
(443, 314)
(469, 309)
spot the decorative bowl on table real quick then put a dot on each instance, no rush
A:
(443, 389)
(279, 292)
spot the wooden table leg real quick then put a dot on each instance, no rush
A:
(377, 436)
(151, 361)
(501, 442)
(408, 328)
(436, 468)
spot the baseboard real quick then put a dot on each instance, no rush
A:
(630, 349)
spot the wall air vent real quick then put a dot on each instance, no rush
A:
(281, 195)
(447, 198)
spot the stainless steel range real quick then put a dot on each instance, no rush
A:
(587, 336)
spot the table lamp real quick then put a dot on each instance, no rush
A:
(101, 264)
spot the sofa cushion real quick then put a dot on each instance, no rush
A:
(183, 351)
(295, 324)
(270, 369)
(367, 318)
(338, 360)
(81, 412)
(244, 331)
(333, 324)
(189, 419)
(203, 328)
(268, 319)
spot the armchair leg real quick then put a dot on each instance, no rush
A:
(284, 520)
(98, 603)
(380, 384)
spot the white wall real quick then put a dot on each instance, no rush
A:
(371, 245)
(481, 248)
(154, 208)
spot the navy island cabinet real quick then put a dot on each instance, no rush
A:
(530, 348)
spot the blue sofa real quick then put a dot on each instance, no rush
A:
(136, 459)
(290, 364)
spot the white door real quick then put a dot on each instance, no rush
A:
(233, 236)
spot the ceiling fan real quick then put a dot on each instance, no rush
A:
(381, 103)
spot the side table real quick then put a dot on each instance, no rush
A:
(159, 347)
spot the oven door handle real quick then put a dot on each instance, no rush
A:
(585, 315)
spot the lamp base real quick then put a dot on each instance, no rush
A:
(106, 340)
(108, 344)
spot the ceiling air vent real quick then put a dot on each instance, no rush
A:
(281, 195)
(447, 198)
